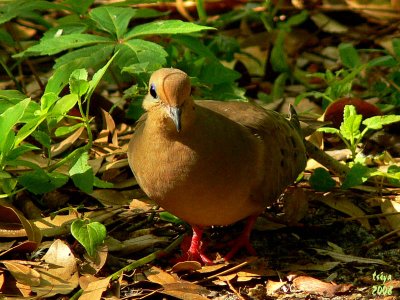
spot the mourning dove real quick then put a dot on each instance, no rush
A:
(211, 162)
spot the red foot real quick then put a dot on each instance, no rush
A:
(195, 251)
(243, 241)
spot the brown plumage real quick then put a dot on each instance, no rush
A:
(211, 162)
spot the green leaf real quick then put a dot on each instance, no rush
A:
(6, 38)
(350, 127)
(113, 20)
(396, 46)
(64, 105)
(383, 61)
(330, 130)
(321, 180)
(82, 174)
(97, 77)
(28, 128)
(50, 46)
(377, 122)
(47, 100)
(17, 8)
(40, 182)
(18, 151)
(349, 56)
(102, 184)
(9, 118)
(89, 234)
(357, 175)
(64, 130)
(78, 83)
(213, 72)
(165, 27)
(90, 57)
(87, 57)
(136, 56)
(297, 19)
(278, 54)
(79, 7)
(42, 137)
(166, 216)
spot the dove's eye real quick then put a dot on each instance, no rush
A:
(153, 92)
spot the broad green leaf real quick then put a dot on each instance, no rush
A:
(377, 122)
(357, 175)
(278, 54)
(78, 83)
(6, 38)
(65, 29)
(321, 180)
(383, 61)
(349, 56)
(42, 137)
(18, 151)
(113, 20)
(28, 128)
(7, 143)
(165, 27)
(213, 72)
(87, 57)
(50, 46)
(13, 96)
(64, 105)
(329, 130)
(89, 234)
(64, 130)
(298, 18)
(97, 77)
(136, 56)
(17, 8)
(394, 173)
(350, 127)
(47, 100)
(9, 118)
(40, 182)
(79, 7)
(82, 174)
(194, 44)
(102, 184)
(133, 2)
(90, 57)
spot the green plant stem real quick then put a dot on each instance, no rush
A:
(11, 75)
(201, 11)
(140, 262)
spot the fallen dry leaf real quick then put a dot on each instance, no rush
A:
(391, 206)
(350, 258)
(316, 286)
(186, 266)
(61, 276)
(345, 205)
(22, 273)
(95, 289)
(274, 286)
(158, 275)
(19, 226)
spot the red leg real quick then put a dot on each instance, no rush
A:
(195, 252)
(243, 241)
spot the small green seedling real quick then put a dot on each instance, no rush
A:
(351, 132)
(89, 234)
